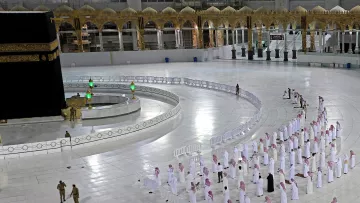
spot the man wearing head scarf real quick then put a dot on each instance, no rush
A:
(294, 190)
(281, 176)
(270, 183)
(315, 146)
(206, 174)
(226, 159)
(267, 138)
(346, 164)
(319, 178)
(332, 153)
(157, 176)
(207, 188)
(242, 192)
(173, 184)
(210, 197)
(256, 174)
(274, 152)
(266, 156)
(282, 163)
(271, 168)
(313, 163)
(283, 196)
(170, 173)
(352, 159)
(281, 134)
(240, 175)
(296, 141)
(334, 200)
(244, 165)
(306, 168)
(292, 157)
(338, 169)
(322, 160)
(330, 172)
(214, 163)
(261, 146)
(192, 194)
(267, 199)
(292, 172)
(299, 155)
(189, 180)
(309, 186)
(307, 149)
(232, 169)
(181, 173)
(260, 187)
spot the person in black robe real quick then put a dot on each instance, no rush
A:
(270, 185)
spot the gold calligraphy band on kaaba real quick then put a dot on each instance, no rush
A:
(29, 58)
(29, 47)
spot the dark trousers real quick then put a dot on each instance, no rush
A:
(220, 176)
(289, 95)
(301, 104)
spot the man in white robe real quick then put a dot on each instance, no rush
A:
(225, 182)
(255, 147)
(246, 151)
(346, 164)
(226, 195)
(281, 176)
(338, 170)
(306, 168)
(283, 196)
(292, 172)
(319, 178)
(292, 157)
(352, 159)
(207, 188)
(260, 187)
(242, 192)
(322, 160)
(299, 155)
(236, 154)
(309, 186)
(271, 166)
(226, 159)
(256, 174)
(189, 180)
(307, 149)
(173, 184)
(181, 173)
(266, 156)
(247, 199)
(274, 152)
(330, 172)
(294, 190)
(170, 173)
(282, 163)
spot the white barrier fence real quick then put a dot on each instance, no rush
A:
(242, 129)
(59, 145)
(121, 79)
(189, 149)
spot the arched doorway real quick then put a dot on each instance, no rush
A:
(150, 36)
(208, 35)
(168, 36)
(110, 37)
(89, 37)
(129, 36)
(68, 39)
(189, 35)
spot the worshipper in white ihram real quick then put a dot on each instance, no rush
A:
(306, 168)
(170, 173)
(322, 160)
(244, 165)
(283, 193)
(210, 197)
(294, 190)
(292, 157)
(157, 176)
(240, 175)
(307, 149)
(260, 187)
(332, 153)
(173, 184)
(266, 156)
(225, 181)
(192, 194)
(214, 164)
(352, 159)
(319, 178)
(207, 188)
(242, 192)
(181, 173)
(271, 166)
(281, 176)
(346, 164)
(338, 169)
(274, 152)
(206, 174)
(226, 195)
(256, 174)
(292, 172)
(309, 186)
(299, 155)
(282, 163)
(247, 199)
(226, 159)
(189, 180)
(330, 172)
(232, 169)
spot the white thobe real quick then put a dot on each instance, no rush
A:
(333, 133)
(301, 138)
(206, 192)
(247, 199)
(315, 147)
(226, 196)
(286, 134)
(226, 159)
(257, 160)
(236, 154)
(242, 196)
(192, 168)
(296, 142)
(271, 166)
(260, 187)
(282, 150)
(291, 145)
(214, 166)
(306, 170)
(173, 185)
(192, 196)
(244, 166)
(292, 157)
(274, 137)
(311, 136)
(306, 137)
(294, 191)
(189, 179)
(282, 163)
(292, 172)
(338, 131)
(299, 155)
(307, 150)
(204, 177)
(182, 176)
(330, 175)
(261, 148)
(225, 183)
(319, 179)
(322, 160)
(290, 132)
(313, 163)
(338, 169)
(283, 195)
(281, 136)
(240, 177)
(246, 151)
(352, 164)
(170, 174)
(346, 165)
(309, 186)
(256, 175)
(232, 171)
(266, 158)
(322, 143)
(328, 139)
(255, 146)
(332, 155)
(274, 154)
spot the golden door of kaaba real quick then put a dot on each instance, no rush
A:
(31, 79)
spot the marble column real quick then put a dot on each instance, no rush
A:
(285, 45)
(324, 41)
(268, 46)
(160, 45)
(294, 45)
(338, 41)
(243, 49)
(233, 51)
(181, 39)
(236, 36)
(177, 38)
(227, 36)
(101, 41)
(259, 44)
(320, 41)
(350, 44)
(250, 48)
(58, 39)
(356, 42)
(312, 40)
(343, 42)
(121, 43)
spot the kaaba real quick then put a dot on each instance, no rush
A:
(31, 78)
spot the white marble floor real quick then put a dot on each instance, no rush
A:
(108, 172)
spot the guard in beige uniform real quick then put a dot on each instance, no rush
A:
(75, 194)
(61, 187)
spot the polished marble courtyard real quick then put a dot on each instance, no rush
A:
(108, 173)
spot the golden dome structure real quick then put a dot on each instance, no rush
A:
(337, 9)
(87, 8)
(318, 10)
(355, 10)
(300, 10)
(245, 10)
(228, 10)
(63, 9)
(187, 10)
(18, 8)
(149, 11)
(261, 10)
(168, 10)
(42, 8)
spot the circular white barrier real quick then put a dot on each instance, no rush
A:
(113, 83)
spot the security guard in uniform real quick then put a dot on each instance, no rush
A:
(75, 194)
(61, 187)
